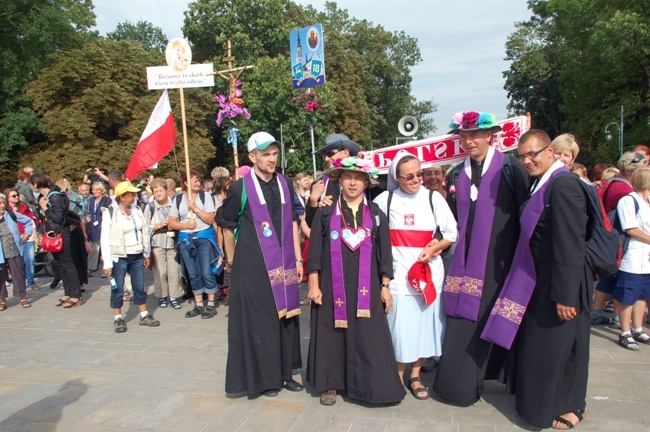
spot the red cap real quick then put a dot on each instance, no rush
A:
(419, 276)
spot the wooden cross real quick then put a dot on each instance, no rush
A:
(339, 302)
(228, 73)
(364, 291)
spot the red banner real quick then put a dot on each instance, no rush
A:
(446, 149)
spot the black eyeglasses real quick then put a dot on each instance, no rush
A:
(411, 176)
(531, 155)
(638, 158)
(330, 153)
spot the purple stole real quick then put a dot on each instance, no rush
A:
(508, 311)
(338, 235)
(279, 259)
(464, 283)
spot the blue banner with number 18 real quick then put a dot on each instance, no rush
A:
(307, 57)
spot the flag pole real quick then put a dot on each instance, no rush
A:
(187, 153)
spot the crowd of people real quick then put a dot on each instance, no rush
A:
(479, 269)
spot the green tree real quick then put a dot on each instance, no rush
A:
(595, 56)
(94, 106)
(32, 29)
(151, 38)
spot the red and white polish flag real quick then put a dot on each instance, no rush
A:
(157, 140)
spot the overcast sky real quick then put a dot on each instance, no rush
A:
(462, 43)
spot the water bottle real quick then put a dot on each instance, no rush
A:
(113, 284)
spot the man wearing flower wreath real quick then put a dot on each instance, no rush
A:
(325, 190)
(484, 193)
(350, 266)
(263, 331)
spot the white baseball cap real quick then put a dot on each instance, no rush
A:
(260, 141)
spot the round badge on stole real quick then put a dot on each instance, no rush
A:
(334, 235)
(267, 232)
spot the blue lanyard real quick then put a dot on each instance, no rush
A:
(135, 228)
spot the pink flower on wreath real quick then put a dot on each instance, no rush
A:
(469, 120)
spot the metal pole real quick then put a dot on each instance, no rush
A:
(620, 136)
(313, 148)
(282, 149)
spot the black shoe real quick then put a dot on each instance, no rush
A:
(120, 325)
(293, 385)
(430, 363)
(194, 312)
(208, 312)
(270, 393)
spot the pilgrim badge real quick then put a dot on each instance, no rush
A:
(334, 235)
(354, 238)
(266, 229)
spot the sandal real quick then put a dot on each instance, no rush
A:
(128, 297)
(60, 301)
(162, 302)
(641, 337)
(71, 303)
(3, 306)
(420, 393)
(567, 423)
(25, 304)
(175, 304)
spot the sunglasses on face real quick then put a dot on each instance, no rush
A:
(13, 195)
(412, 176)
(330, 153)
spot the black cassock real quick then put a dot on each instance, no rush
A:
(262, 349)
(359, 359)
(553, 355)
(467, 360)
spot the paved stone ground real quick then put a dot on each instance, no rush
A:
(66, 370)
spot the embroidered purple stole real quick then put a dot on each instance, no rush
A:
(508, 311)
(337, 233)
(464, 283)
(279, 258)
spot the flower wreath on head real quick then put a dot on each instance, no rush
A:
(354, 163)
(473, 120)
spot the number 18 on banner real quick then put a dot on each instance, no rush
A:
(307, 56)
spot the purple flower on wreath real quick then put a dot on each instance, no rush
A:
(230, 109)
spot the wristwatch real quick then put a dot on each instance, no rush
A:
(385, 286)
(300, 260)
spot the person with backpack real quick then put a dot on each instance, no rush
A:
(98, 201)
(263, 325)
(612, 191)
(197, 245)
(166, 271)
(546, 297)
(484, 192)
(633, 277)
(11, 251)
(60, 220)
(415, 214)
(126, 249)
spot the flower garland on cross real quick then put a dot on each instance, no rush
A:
(231, 106)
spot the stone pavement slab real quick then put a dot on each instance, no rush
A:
(66, 370)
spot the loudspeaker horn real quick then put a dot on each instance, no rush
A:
(407, 125)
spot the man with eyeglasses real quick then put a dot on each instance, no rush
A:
(484, 193)
(546, 298)
(323, 191)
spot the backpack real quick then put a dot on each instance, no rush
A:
(602, 188)
(76, 203)
(603, 245)
(179, 199)
(623, 237)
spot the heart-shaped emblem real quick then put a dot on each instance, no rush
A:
(354, 238)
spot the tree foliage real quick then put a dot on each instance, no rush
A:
(368, 73)
(575, 62)
(151, 37)
(30, 31)
(94, 106)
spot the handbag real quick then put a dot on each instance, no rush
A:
(52, 242)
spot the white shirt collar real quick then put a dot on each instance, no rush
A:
(486, 162)
(556, 165)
